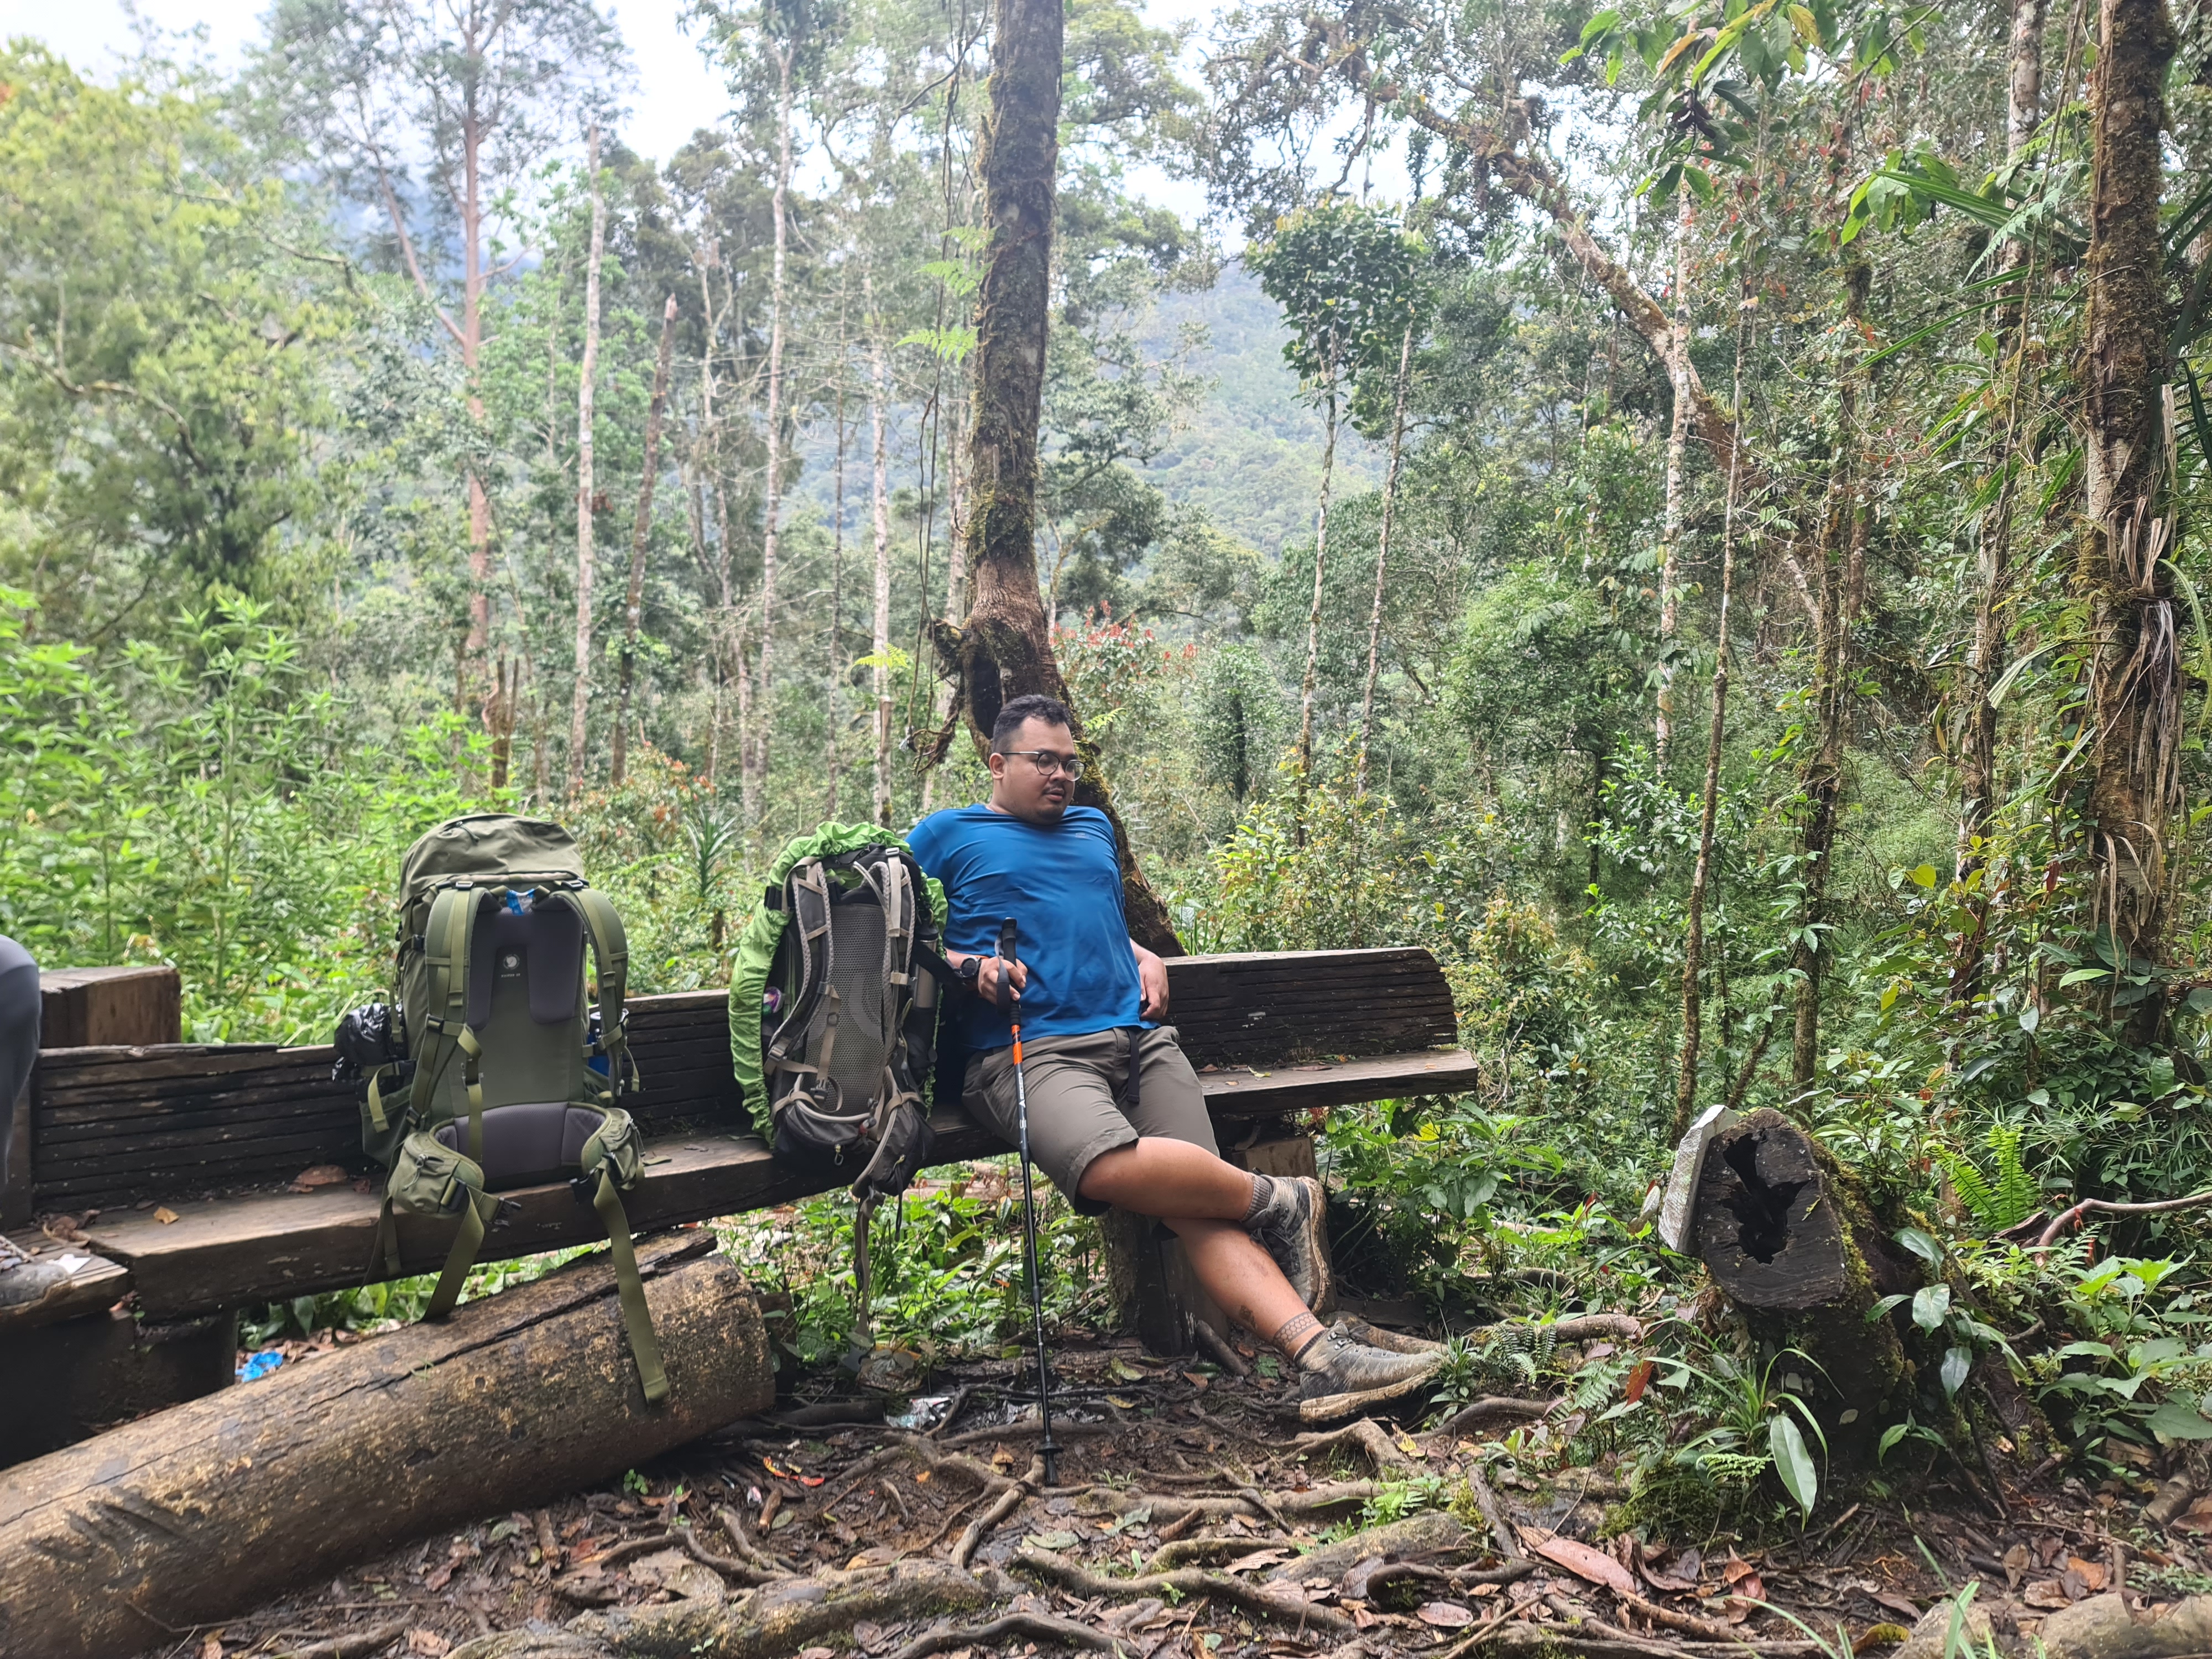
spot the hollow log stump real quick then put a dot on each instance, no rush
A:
(1789, 1240)
(197, 1512)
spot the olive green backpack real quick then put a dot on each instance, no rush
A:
(502, 1078)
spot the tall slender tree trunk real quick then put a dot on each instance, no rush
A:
(1678, 441)
(640, 534)
(499, 717)
(832, 703)
(1694, 950)
(1382, 557)
(472, 291)
(580, 709)
(2134, 678)
(763, 711)
(1005, 650)
(1842, 557)
(1978, 719)
(716, 568)
(1313, 610)
(879, 396)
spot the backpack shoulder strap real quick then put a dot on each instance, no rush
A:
(806, 897)
(445, 940)
(610, 947)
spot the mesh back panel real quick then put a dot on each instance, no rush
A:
(857, 1062)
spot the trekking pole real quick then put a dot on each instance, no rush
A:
(1008, 997)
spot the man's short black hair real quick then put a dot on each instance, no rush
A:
(1034, 706)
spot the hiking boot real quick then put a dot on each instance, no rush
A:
(1342, 1376)
(25, 1279)
(1375, 1336)
(1292, 1227)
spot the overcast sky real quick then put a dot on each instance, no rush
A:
(675, 92)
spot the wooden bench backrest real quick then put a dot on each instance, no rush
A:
(113, 1126)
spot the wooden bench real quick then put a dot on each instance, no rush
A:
(187, 1149)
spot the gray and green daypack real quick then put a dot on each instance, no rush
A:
(496, 1075)
(833, 1012)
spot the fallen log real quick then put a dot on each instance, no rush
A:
(196, 1513)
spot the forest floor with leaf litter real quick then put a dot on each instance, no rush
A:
(1196, 1518)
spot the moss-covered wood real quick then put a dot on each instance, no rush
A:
(2134, 678)
(1004, 650)
(1790, 1240)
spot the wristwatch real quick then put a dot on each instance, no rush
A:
(969, 968)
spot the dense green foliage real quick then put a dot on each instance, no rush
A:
(290, 567)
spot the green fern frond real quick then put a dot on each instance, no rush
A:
(2007, 1194)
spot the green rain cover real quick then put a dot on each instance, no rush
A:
(756, 949)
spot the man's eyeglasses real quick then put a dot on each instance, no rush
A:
(1047, 763)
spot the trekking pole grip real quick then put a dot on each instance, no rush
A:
(1009, 942)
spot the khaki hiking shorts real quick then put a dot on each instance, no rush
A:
(1077, 1108)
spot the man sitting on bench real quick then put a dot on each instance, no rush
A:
(1116, 1114)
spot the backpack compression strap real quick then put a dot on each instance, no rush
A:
(478, 1208)
(637, 1323)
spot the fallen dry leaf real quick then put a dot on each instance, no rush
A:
(1444, 1615)
(1355, 1579)
(212, 1648)
(321, 1175)
(2046, 1593)
(2016, 1561)
(2092, 1572)
(1892, 1601)
(1582, 1561)
(165, 1215)
(1257, 1559)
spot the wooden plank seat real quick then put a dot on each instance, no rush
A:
(210, 1135)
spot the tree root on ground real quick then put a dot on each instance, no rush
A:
(1174, 1510)
(773, 1622)
(358, 1646)
(728, 1566)
(1366, 1434)
(1612, 1642)
(1187, 1582)
(1037, 1626)
(1015, 1493)
(1492, 1406)
(734, 1524)
(1207, 1550)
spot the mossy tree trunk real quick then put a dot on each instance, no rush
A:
(2134, 678)
(1004, 649)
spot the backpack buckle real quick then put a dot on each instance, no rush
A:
(585, 1188)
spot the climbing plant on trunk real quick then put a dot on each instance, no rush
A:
(2129, 533)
